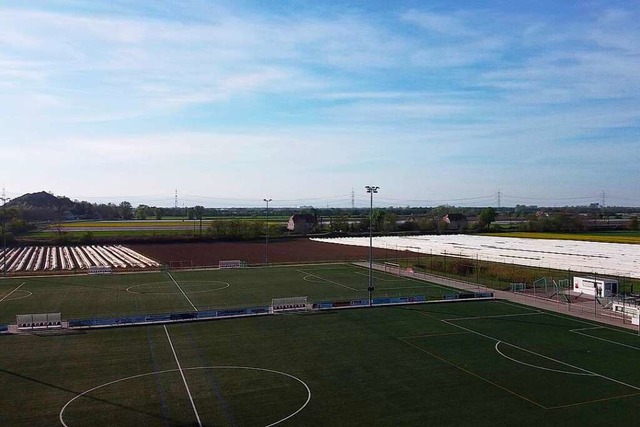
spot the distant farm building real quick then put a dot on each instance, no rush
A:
(455, 221)
(302, 223)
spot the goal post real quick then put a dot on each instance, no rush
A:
(290, 304)
(391, 267)
(233, 263)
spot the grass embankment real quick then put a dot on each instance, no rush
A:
(497, 275)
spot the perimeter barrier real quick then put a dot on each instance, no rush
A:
(106, 322)
(416, 299)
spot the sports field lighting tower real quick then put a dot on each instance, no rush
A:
(4, 233)
(371, 189)
(266, 244)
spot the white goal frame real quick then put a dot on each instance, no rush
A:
(232, 263)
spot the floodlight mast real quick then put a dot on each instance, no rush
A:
(266, 245)
(371, 189)
(4, 233)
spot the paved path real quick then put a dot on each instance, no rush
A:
(589, 311)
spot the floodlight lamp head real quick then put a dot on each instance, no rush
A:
(371, 189)
(266, 200)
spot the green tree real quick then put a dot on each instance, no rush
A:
(142, 211)
(340, 223)
(377, 218)
(125, 210)
(487, 216)
(390, 221)
(198, 213)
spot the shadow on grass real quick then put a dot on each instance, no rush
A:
(97, 399)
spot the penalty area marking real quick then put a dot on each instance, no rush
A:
(543, 356)
(225, 286)
(26, 294)
(7, 295)
(307, 274)
(586, 373)
(379, 278)
(579, 332)
(147, 374)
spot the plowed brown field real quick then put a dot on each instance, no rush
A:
(280, 251)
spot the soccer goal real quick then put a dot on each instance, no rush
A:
(233, 263)
(279, 305)
(100, 269)
(518, 287)
(391, 267)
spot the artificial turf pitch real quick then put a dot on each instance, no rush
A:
(471, 363)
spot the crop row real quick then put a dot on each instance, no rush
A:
(51, 258)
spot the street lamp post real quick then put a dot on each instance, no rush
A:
(266, 245)
(4, 234)
(371, 189)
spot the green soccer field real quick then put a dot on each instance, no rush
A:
(170, 292)
(472, 363)
(461, 363)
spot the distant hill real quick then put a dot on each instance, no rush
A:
(40, 200)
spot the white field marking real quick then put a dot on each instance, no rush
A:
(272, 371)
(7, 295)
(186, 386)
(577, 331)
(378, 278)
(185, 295)
(523, 307)
(497, 316)
(27, 295)
(587, 329)
(575, 319)
(543, 356)
(431, 284)
(171, 293)
(540, 367)
(448, 362)
(401, 287)
(61, 415)
(433, 335)
(327, 280)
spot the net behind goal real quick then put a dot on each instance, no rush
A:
(234, 263)
(289, 304)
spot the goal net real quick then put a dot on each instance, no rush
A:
(100, 269)
(289, 304)
(234, 263)
(391, 267)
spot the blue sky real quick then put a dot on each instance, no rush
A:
(435, 102)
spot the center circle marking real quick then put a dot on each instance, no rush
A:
(225, 285)
(61, 415)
